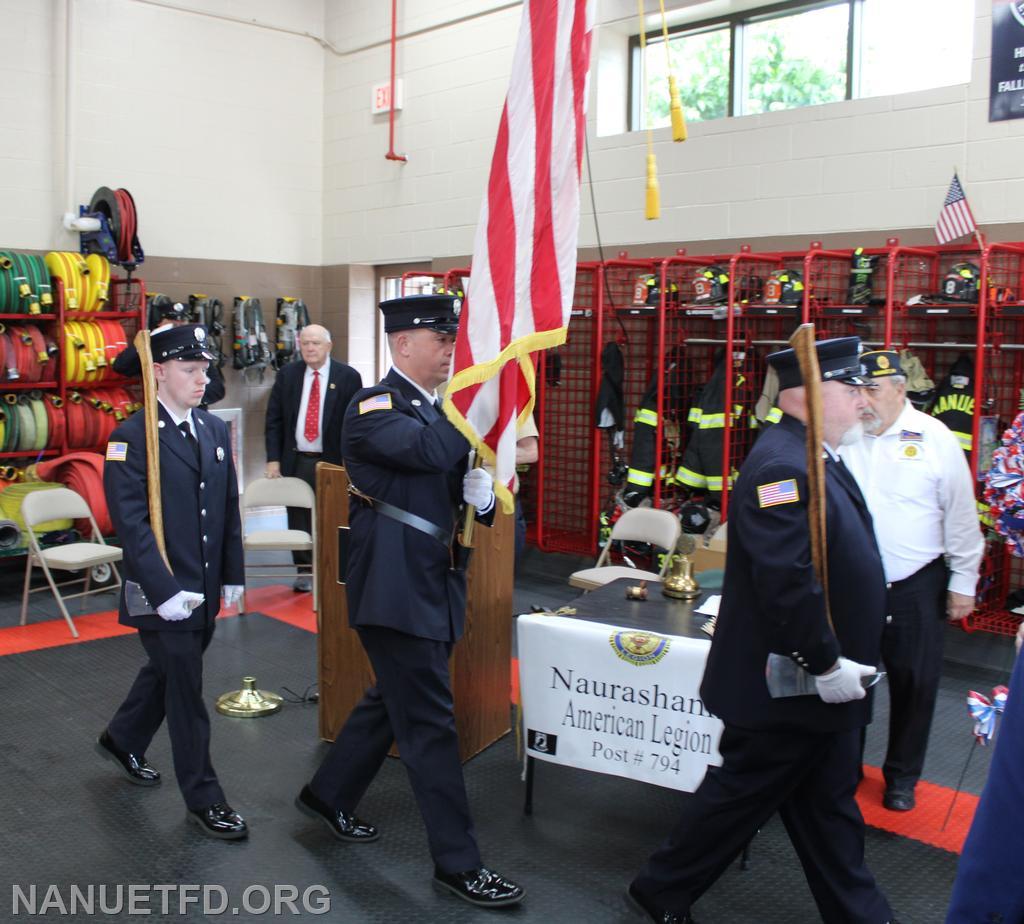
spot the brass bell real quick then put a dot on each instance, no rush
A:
(680, 583)
(248, 703)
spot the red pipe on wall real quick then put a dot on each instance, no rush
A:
(391, 155)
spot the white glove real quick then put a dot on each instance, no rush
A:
(478, 489)
(843, 683)
(232, 593)
(180, 606)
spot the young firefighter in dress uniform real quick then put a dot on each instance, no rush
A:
(407, 466)
(797, 755)
(175, 609)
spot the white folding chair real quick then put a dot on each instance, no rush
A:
(59, 504)
(640, 524)
(276, 492)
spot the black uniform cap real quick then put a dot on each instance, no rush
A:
(185, 342)
(838, 359)
(432, 312)
(880, 363)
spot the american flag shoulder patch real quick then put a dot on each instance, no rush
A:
(778, 492)
(117, 452)
(376, 403)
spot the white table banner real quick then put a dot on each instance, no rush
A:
(613, 700)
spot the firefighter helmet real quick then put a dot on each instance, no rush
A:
(711, 285)
(648, 292)
(784, 287)
(1000, 295)
(694, 517)
(962, 283)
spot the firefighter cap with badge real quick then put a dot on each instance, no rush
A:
(878, 364)
(838, 359)
(438, 312)
(185, 342)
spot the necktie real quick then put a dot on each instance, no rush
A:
(437, 406)
(189, 438)
(312, 427)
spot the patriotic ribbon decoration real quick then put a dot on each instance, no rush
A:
(1004, 488)
(524, 254)
(984, 711)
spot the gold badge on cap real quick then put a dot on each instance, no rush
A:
(883, 362)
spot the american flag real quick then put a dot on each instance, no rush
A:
(524, 255)
(955, 219)
(778, 492)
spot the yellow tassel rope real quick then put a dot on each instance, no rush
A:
(675, 107)
(653, 204)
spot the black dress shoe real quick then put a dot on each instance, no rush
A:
(303, 585)
(482, 887)
(898, 800)
(651, 912)
(343, 825)
(135, 766)
(220, 820)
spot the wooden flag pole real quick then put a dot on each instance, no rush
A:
(802, 342)
(156, 510)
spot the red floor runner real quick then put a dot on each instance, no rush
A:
(277, 601)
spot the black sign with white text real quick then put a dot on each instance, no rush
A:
(1006, 88)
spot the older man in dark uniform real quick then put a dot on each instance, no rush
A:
(175, 608)
(796, 755)
(406, 599)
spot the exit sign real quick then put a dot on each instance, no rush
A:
(380, 97)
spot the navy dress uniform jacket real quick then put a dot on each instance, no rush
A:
(772, 602)
(407, 454)
(283, 411)
(202, 525)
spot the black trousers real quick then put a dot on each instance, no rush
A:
(810, 779)
(912, 652)
(411, 704)
(170, 685)
(299, 517)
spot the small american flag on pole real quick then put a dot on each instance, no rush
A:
(524, 255)
(955, 219)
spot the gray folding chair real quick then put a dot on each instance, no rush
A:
(275, 492)
(60, 504)
(641, 524)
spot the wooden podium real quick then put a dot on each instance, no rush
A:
(480, 665)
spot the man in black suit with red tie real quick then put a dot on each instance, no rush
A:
(304, 421)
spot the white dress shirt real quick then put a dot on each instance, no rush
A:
(432, 398)
(301, 443)
(178, 421)
(919, 489)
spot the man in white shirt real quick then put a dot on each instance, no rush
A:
(919, 489)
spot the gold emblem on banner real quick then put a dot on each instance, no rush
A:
(639, 648)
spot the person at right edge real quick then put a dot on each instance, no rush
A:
(796, 755)
(919, 489)
(407, 598)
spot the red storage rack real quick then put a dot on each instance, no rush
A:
(997, 401)
(560, 492)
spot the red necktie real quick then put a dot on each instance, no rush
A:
(313, 410)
